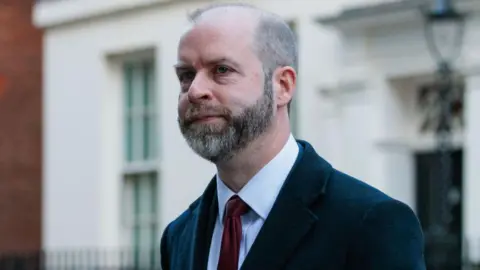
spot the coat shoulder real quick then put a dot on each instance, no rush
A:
(354, 197)
(180, 223)
(170, 238)
(178, 227)
(350, 188)
(378, 227)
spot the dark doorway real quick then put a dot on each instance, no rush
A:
(442, 251)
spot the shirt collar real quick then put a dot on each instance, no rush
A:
(262, 189)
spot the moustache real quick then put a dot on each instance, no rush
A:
(197, 112)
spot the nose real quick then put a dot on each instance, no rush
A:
(200, 89)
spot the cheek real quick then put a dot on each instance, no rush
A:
(257, 86)
(239, 104)
(249, 94)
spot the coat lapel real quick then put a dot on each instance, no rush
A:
(290, 218)
(205, 216)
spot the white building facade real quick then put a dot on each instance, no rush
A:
(116, 167)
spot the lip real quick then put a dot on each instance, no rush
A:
(205, 119)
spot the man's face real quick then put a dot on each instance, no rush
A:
(225, 100)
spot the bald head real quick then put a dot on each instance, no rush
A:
(274, 42)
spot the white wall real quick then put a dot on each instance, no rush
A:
(383, 66)
(72, 143)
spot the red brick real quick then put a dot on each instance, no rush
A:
(20, 128)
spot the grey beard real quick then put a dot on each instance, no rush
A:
(220, 145)
(215, 148)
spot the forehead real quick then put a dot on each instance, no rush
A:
(219, 37)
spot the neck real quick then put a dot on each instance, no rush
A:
(236, 172)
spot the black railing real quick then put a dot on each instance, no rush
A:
(140, 259)
(127, 259)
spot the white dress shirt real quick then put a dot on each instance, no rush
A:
(260, 194)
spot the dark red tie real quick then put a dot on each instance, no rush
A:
(232, 233)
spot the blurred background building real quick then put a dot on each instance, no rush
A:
(116, 169)
(20, 127)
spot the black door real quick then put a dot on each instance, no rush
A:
(443, 250)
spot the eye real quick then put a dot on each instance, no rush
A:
(186, 76)
(222, 69)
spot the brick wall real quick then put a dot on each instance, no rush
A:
(20, 127)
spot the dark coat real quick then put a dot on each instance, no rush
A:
(322, 219)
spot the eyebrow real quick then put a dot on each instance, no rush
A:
(216, 61)
(181, 66)
(224, 60)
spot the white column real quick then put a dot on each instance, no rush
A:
(318, 67)
(111, 180)
(398, 171)
(382, 123)
(391, 161)
(472, 166)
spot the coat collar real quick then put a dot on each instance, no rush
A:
(288, 222)
(291, 217)
(205, 212)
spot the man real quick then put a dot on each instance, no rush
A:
(274, 202)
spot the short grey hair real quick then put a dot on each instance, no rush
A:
(275, 43)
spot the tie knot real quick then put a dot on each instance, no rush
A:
(236, 207)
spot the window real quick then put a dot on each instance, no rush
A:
(140, 109)
(140, 162)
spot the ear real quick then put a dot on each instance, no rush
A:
(285, 82)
